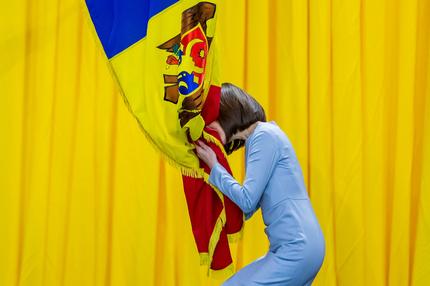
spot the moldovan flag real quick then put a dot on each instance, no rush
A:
(163, 56)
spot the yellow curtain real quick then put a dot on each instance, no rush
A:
(85, 200)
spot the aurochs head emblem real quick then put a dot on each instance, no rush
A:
(188, 52)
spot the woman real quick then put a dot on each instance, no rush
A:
(273, 181)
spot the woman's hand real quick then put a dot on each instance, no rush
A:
(206, 153)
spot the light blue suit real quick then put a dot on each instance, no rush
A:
(275, 182)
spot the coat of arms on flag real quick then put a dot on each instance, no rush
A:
(163, 54)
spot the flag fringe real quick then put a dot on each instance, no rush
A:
(235, 237)
(213, 241)
(216, 273)
(205, 258)
(214, 140)
(186, 171)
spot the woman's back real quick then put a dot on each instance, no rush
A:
(274, 182)
(287, 211)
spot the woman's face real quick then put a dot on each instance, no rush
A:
(240, 135)
(216, 126)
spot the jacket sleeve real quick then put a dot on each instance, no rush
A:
(250, 214)
(263, 156)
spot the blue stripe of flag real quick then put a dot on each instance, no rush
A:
(121, 23)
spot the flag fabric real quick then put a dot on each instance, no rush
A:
(163, 54)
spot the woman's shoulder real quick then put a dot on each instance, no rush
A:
(272, 135)
(265, 133)
(269, 129)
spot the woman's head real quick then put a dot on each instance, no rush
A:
(238, 111)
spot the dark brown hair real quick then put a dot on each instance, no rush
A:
(238, 110)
